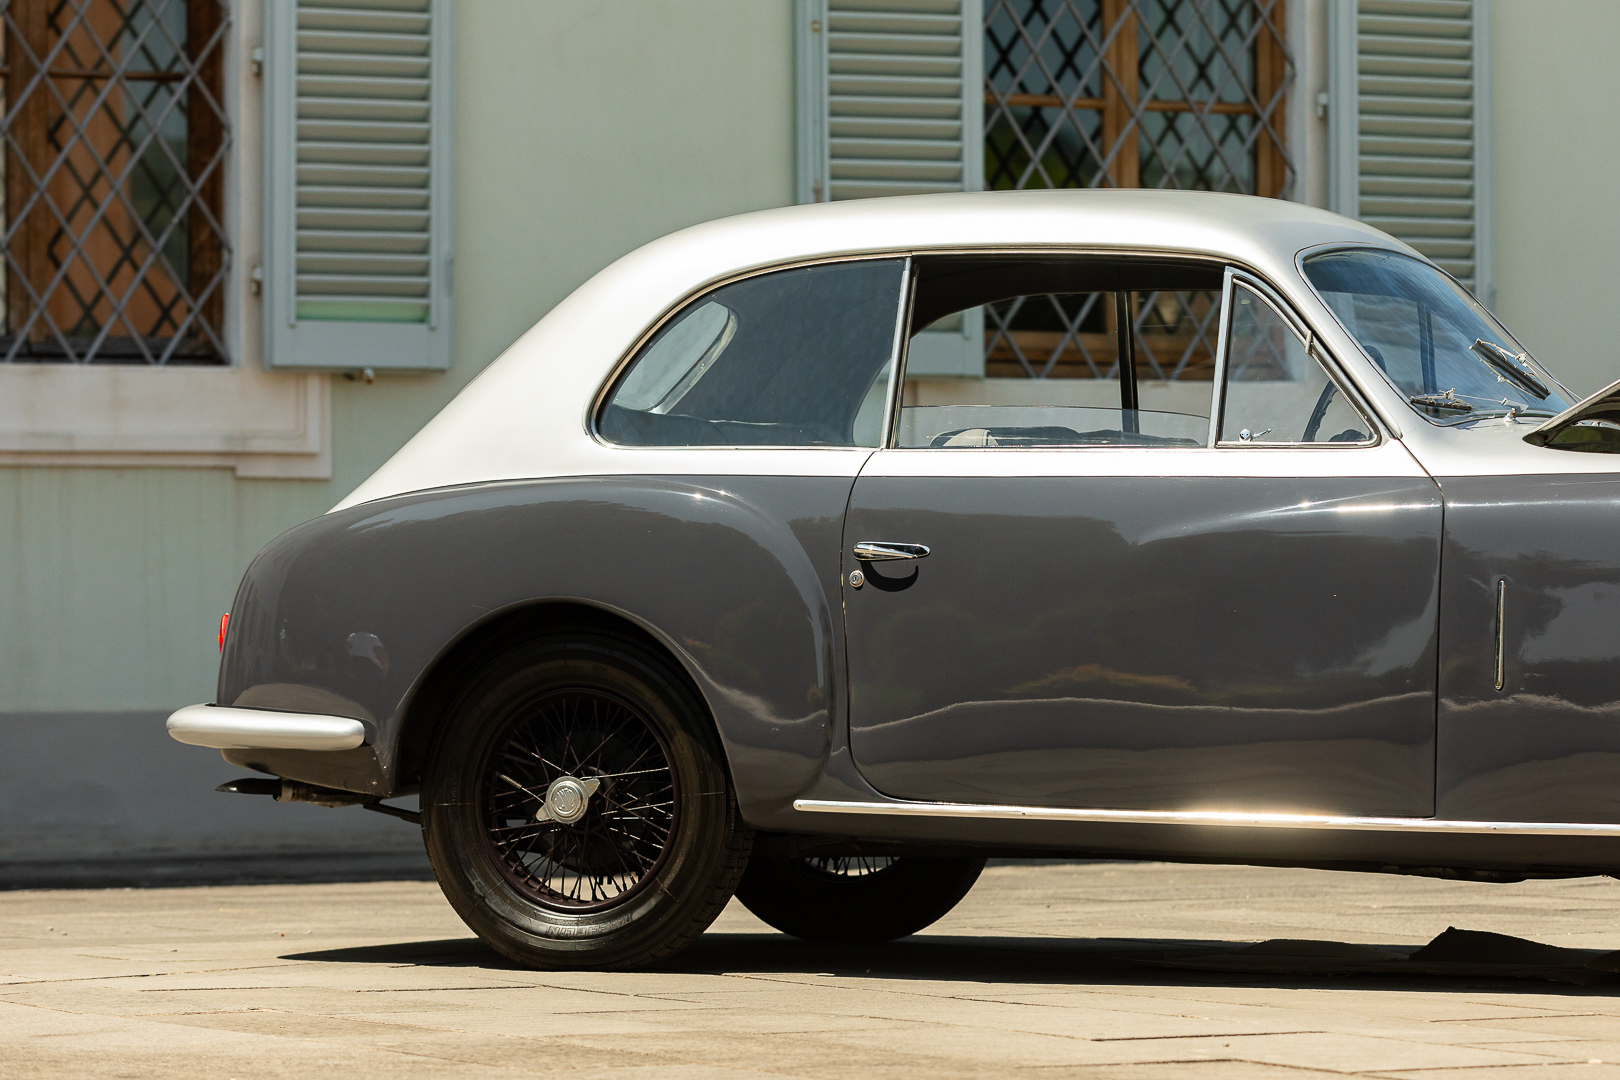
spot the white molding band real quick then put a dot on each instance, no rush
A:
(261, 424)
(1218, 818)
(262, 729)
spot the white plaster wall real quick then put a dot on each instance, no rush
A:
(1557, 172)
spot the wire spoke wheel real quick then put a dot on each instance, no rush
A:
(850, 866)
(854, 897)
(579, 800)
(576, 805)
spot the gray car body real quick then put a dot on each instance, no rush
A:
(1251, 693)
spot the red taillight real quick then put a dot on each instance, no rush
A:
(223, 620)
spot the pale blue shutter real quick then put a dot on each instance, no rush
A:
(1411, 127)
(357, 201)
(891, 102)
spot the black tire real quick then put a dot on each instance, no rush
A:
(855, 899)
(660, 846)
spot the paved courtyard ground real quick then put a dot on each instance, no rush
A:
(1044, 971)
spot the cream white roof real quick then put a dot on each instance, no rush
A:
(525, 415)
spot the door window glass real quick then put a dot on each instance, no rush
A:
(1277, 392)
(795, 358)
(1079, 352)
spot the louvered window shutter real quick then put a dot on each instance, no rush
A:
(891, 102)
(357, 215)
(1411, 127)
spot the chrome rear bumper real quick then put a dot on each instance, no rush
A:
(263, 729)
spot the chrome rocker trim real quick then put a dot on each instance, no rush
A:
(1229, 819)
(262, 729)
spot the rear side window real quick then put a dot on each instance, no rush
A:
(794, 358)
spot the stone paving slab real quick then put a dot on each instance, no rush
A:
(1038, 973)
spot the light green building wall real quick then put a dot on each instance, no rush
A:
(582, 130)
(1557, 157)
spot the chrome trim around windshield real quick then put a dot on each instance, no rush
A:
(1217, 818)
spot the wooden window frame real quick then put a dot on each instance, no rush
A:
(1121, 90)
(75, 248)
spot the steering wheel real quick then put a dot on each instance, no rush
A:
(1318, 413)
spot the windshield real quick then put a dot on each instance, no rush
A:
(1452, 360)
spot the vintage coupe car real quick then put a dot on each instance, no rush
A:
(700, 590)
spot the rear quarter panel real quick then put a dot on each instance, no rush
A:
(347, 613)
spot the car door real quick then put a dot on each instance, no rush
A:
(1164, 613)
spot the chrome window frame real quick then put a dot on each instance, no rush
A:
(901, 352)
(1066, 249)
(897, 358)
(1314, 349)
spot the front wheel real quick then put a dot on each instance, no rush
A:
(855, 898)
(577, 811)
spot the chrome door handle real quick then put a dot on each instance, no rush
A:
(873, 551)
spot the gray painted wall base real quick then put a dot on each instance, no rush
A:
(173, 871)
(108, 798)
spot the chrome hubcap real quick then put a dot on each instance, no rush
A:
(567, 799)
(579, 798)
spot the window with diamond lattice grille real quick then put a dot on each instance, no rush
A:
(1129, 93)
(115, 136)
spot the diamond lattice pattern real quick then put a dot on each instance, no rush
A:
(115, 135)
(1129, 93)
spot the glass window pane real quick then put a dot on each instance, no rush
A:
(869, 416)
(1430, 337)
(1275, 391)
(1051, 68)
(116, 138)
(1056, 331)
(795, 358)
(954, 426)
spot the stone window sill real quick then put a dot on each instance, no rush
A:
(262, 424)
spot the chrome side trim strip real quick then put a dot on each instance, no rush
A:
(1228, 819)
(263, 729)
(1501, 633)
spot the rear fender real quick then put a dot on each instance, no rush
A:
(349, 614)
